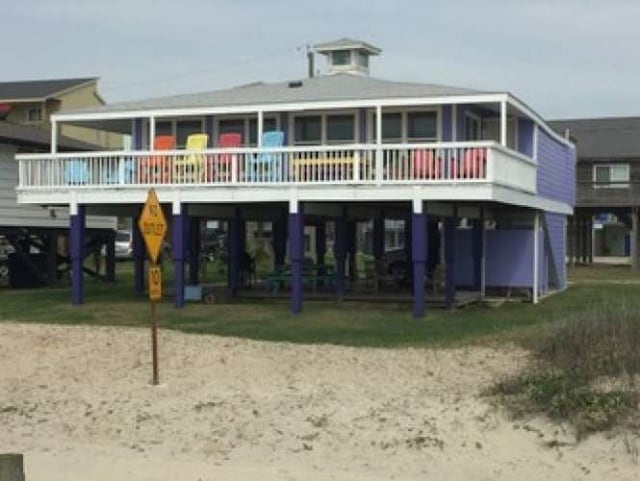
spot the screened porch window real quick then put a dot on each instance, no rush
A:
(180, 129)
(268, 124)
(611, 175)
(392, 127)
(340, 128)
(422, 126)
(308, 129)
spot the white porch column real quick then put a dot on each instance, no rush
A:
(536, 254)
(379, 168)
(54, 136)
(260, 128)
(503, 123)
(152, 131)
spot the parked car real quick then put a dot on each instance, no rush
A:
(124, 245)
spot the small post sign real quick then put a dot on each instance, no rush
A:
(153, 226)
(155, 284)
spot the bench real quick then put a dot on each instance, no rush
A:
(323, 168)
(311, 277)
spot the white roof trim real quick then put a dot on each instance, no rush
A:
(280, 107)
(539, 120)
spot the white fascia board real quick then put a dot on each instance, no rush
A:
(278, 107)
(509, 196)
(538, 120)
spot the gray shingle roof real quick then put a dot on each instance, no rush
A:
(607, 138)
(317, 89)
(38, 89)
(32, 136)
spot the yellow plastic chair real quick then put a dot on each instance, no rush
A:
(190, 168)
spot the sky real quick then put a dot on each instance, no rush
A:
(564, 58)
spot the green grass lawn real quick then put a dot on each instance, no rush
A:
(347, 323)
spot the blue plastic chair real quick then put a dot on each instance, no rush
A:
(76, 172)
(268, 166)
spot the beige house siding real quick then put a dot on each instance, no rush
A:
(84, 97)
(77, 98)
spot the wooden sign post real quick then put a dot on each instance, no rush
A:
(153, 226)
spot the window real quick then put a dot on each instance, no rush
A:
(164, 128)
(232, 126)
(268, 124)
(180, 129)
(392, 127)
(184, 128)
(472, 130)
(341, 57)
(340, 128)
(611, 175)
(308, 129)
(422, 126)
(34, 115)
(363, 59)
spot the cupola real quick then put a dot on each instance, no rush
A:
(347, 55)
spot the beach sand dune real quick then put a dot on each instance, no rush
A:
(78, 403)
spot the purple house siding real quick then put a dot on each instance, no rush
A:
(555, 240)
(509, 259)
(525, 137)
(446, 123)
(556, 169)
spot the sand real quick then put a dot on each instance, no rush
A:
(77, 402)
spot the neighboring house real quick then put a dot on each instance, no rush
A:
(35, 235)
(32, 102)
(338, 149)
(605, 223)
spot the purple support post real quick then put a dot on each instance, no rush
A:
(139, 254)
(339, 253)
(419, 258)
(234, 253)
(76, 247)
(449, 259)
(194, 250)
(477, 250)
(296, 251)
(178, 226)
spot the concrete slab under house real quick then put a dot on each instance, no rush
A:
(479, 182)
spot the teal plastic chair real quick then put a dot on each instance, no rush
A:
(268, 166)
(76, 172)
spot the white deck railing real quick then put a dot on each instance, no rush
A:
(345, 164)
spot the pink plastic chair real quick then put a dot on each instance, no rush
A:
(425, 165)
(221, 168)
(473, 164)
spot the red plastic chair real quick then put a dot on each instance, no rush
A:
(156, 169)
(425, 165)
(220, 170)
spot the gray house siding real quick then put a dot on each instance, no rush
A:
(14, 215)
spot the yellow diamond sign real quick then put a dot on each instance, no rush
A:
(153, 225)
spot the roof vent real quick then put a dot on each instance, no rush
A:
(295, 84)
